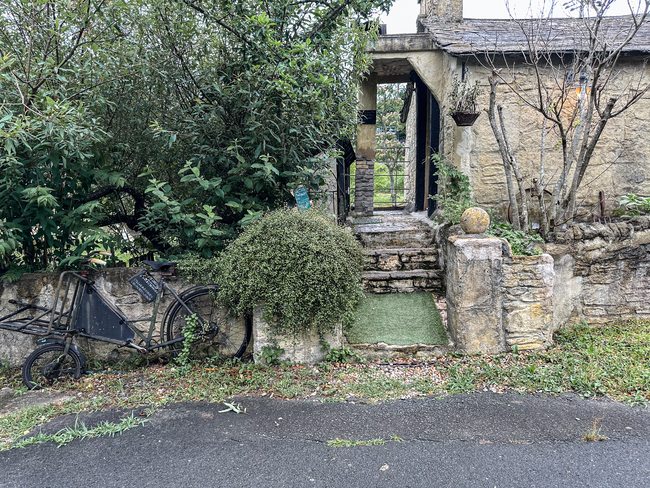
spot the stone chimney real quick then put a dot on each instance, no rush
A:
(443, 10)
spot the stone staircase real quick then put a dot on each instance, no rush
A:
(401, 258)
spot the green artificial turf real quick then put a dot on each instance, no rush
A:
(398, 319)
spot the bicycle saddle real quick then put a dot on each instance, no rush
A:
(160, 265)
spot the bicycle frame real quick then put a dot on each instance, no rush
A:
(90, 314)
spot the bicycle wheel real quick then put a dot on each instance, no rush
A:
(219, 335)
(48, 364)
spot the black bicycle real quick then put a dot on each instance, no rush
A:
(80, 310)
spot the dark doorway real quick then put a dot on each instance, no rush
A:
(427, 143)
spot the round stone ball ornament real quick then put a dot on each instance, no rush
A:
(474, 220)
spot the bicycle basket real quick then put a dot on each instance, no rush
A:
(146, 285)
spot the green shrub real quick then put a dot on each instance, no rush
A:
(454, 192)
(521, 243)
(196, 269)
(301, 265)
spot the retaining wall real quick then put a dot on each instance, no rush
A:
(592, 272)
(602, 272)
(496, 301)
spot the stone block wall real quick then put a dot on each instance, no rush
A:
(308, 348)
(528, 301)
(496, 301)
(603, 272)
(595, 272)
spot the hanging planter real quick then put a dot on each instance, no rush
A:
(464, 109)
(465, 119)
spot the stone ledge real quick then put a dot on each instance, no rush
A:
(402, 275)
(404, 259)
(383, 351)
(610, 231)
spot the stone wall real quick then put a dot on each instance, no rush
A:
(595, 272)
(603, 272)
(618, 167)
(528, 301)
(38, 289)
(496, 301)
(308, 348)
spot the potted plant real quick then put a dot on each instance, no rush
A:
(463, 108)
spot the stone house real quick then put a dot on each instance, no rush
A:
(447, 46)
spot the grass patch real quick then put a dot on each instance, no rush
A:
(80, 431)
(352, 443)
(399, 319)
(612, 361)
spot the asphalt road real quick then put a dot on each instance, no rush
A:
(477, 440)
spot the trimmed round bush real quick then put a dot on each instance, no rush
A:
(302, 266)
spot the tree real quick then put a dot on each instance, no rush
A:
(178, 119)
(578, 87)
(262, 91)
(52, 155)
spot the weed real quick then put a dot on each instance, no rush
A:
(633, 206)
(352, 443)
(593, 434)
(80, 431)
(454, 192)
(460, 381)
(190, 334)
(269, 355)
(343, 355)
(521, 243)
(233, 407)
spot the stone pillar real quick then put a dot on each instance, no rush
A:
(364, 189)
(365, 165)
(474, 293)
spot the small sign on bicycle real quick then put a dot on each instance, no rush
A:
(145, 285)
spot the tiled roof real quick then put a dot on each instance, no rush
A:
(509, 36)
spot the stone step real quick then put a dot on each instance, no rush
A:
(411, 281)
(393, 236)
(393, 230)
(404, 259)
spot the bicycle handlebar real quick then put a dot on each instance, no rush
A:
(90, 260)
